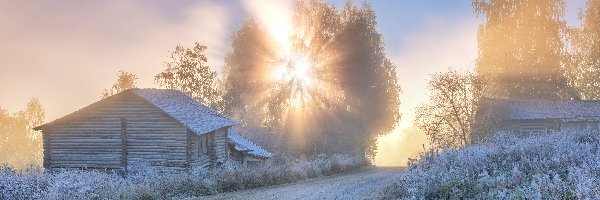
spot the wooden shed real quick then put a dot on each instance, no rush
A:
(538, 116)
(245, 151)
(165, 128)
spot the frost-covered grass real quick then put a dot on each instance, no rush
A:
(554, 166)
(144, 182)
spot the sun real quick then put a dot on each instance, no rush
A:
(299, 78)
(300, 70)
(295, 71)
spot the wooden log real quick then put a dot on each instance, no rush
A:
(211, 146)
(46, 143)
(189, 150)
(124, 160)
(86, 151)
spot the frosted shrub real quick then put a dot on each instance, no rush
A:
(66, 184)
(142, 172)
(15, 186)
(555, 166)
(341, 163)
(78, 184)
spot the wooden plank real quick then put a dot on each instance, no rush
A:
(87, 140)
(88, 153)
(84, 145)
(46, 144)
(99, 151)
(211, 148)
(124, 161)
(90, 165)
(82, 158)
(174, 140)
(189, 150)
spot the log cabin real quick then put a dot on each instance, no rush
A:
(537, 116)
(165, 128)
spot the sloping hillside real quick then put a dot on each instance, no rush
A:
(556, 166)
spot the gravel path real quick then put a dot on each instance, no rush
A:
(364, 184)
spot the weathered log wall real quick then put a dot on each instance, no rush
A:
(199, 151)
(529, 127)
(219, 149)
(120, 131)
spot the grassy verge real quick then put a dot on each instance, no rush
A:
(146, 183)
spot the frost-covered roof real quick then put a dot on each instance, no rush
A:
(243, 144)
(566, 110)
(185, 109)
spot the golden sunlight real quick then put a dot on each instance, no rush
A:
(295, 70)
(295, 73)
(275, 15)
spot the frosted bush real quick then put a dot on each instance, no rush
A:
(142, 172)
(554, 166)
(15, 186)
(78, 184)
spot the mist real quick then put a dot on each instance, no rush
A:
(434, 46)
(65, 52)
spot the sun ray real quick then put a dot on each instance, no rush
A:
(297, 84)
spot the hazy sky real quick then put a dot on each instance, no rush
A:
(64, 52)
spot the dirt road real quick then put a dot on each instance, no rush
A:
(365, 184)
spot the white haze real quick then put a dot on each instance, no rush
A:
(435, 46)
(65, 52)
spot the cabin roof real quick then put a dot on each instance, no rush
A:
(243, 144)
(183, 108)
(188, 111)
(564, 110)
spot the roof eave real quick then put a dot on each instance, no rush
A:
(202, 133)
(261, 156)
(39, 128)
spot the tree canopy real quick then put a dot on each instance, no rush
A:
(188, 72)
(125, 80)
(521, 47)
(584, 68)
(330, 87)
(20, 145)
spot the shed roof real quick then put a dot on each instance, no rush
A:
(565, 110)
(243, 144)
(183, 108)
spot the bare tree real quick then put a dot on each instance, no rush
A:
(452, 111)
